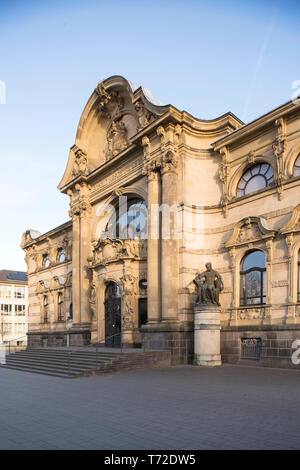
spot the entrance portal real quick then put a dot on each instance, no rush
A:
(112, 315)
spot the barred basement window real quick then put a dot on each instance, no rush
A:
(251, 348)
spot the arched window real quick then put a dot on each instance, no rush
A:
(46, 261)
(253, 278)
(45, 302)
(61, 255)
(130, 220)
(298, 296)
(257, 177)
(296, 171)
(60, 304)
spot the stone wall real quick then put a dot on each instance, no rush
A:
(276, 349)
(58, 339)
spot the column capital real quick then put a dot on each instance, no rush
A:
(169, 162)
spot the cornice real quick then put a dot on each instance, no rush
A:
(257, 125)
(44, 236)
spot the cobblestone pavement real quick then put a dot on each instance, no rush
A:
(230, 407)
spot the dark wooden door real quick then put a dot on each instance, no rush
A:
(113, 316)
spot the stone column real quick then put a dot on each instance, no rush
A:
(153, 249)
(76, 267)
(207, 335)
(85, 226)
(128, 289)
(169, 241)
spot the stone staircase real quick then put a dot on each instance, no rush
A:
(70, 363)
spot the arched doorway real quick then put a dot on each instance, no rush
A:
(112, 315)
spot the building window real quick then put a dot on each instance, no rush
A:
(253, 278)
(45, 309)
(6, 309)
(20, 310)
(60, 302)
(251, 348)
(297, 166)
(46, 261)
(257, 177)
(71, 311)
(143, 284)
(130, 220)
(61, 255)
(19, 292)
(20, 328)
(298, 296)
(7, 328)
(142, 312)
(5, 292)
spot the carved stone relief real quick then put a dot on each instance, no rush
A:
(116, 139)
(107, 250)
(145, 116)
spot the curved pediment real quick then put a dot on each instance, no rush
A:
(249, 229)
(293, 224)
(115, 112)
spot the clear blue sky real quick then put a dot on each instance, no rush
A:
(205, 57)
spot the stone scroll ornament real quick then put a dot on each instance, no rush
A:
(209, 284)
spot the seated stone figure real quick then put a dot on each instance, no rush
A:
(209, 284)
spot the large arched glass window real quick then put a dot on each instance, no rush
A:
(253, 278)
(61, 255)
(46, 261)
(130, 220)
(296, 171)
(257, 177)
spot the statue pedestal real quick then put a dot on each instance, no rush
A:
(207, 335)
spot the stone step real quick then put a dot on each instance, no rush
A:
(63, 362)
(41, 372)
(70, 363)
(39, 365)
(74, 355)
(76, 371)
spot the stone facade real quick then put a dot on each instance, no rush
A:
(129, 145)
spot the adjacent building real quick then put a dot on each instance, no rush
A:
(178, 191)
(13, 307)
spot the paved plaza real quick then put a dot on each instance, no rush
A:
(230, 407)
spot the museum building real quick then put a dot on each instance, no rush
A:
(155, 194)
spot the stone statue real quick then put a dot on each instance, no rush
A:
(209, 284)
(116, 139)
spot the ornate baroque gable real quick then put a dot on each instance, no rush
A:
(114, 114)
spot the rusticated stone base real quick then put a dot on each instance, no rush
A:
(276, 345)
(58, 339)
(177, 339)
